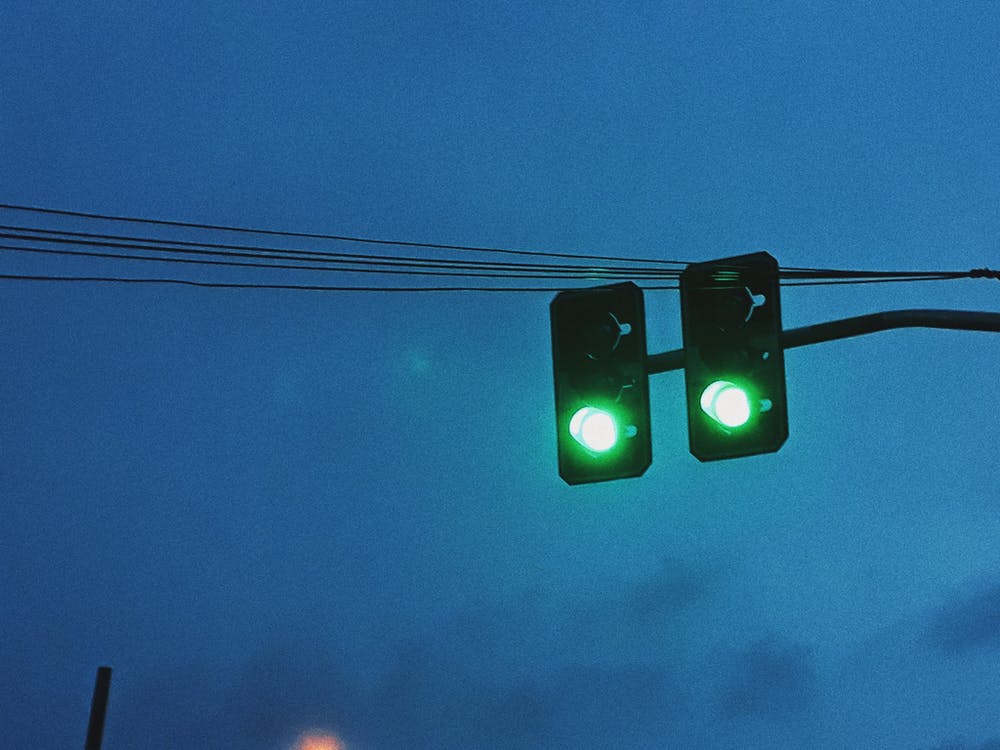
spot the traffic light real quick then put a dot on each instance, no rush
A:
(734, 364)
(601, 385)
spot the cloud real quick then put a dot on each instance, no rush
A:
(968, 623)
(262, 705)
(435, 698)
(576, 705)
(605, 704)
(770, 679)
(675, 586)
(993, 744)
(518, 716)
(524, 672)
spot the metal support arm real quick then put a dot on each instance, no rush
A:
(962, 320)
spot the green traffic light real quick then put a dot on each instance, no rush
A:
(726, 403)
(594, 429)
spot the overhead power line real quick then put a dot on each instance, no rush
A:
(297, 287)
(104, 246)
(336, 261)
(355, 288)
(331, 237)
(594, 274)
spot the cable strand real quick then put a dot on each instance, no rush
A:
(330, 237)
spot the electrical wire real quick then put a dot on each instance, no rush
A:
(850, 274)
(125, 247)
(792, 277)
(339, 259)
(297, 287)
(892, 280)
(290, 266)
(329, 237)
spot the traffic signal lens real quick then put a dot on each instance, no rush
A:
(726, 403)
(594, 429)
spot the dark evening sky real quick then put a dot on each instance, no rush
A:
(278, 513)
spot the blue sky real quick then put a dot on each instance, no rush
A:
(274, 511)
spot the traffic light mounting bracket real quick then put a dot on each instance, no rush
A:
(956, 320)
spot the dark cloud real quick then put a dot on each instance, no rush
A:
(481, 681)
(770, 679)
(434, 697)
(675, 586)
(993, 744)
(604, 705)
(275, 696)
(968, 623)
(518, 716)
(283, 692)
(575, 705)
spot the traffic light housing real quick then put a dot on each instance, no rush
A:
(734, 364)
(601, 383)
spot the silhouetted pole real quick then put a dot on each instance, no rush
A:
(98, 708)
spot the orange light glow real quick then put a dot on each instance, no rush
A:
(319, 741)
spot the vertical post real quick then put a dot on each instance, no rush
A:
(98, 707)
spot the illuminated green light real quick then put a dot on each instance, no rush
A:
(594, 429)
(726, 403)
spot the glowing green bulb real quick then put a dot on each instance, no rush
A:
(594, 429)
(726, 403)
